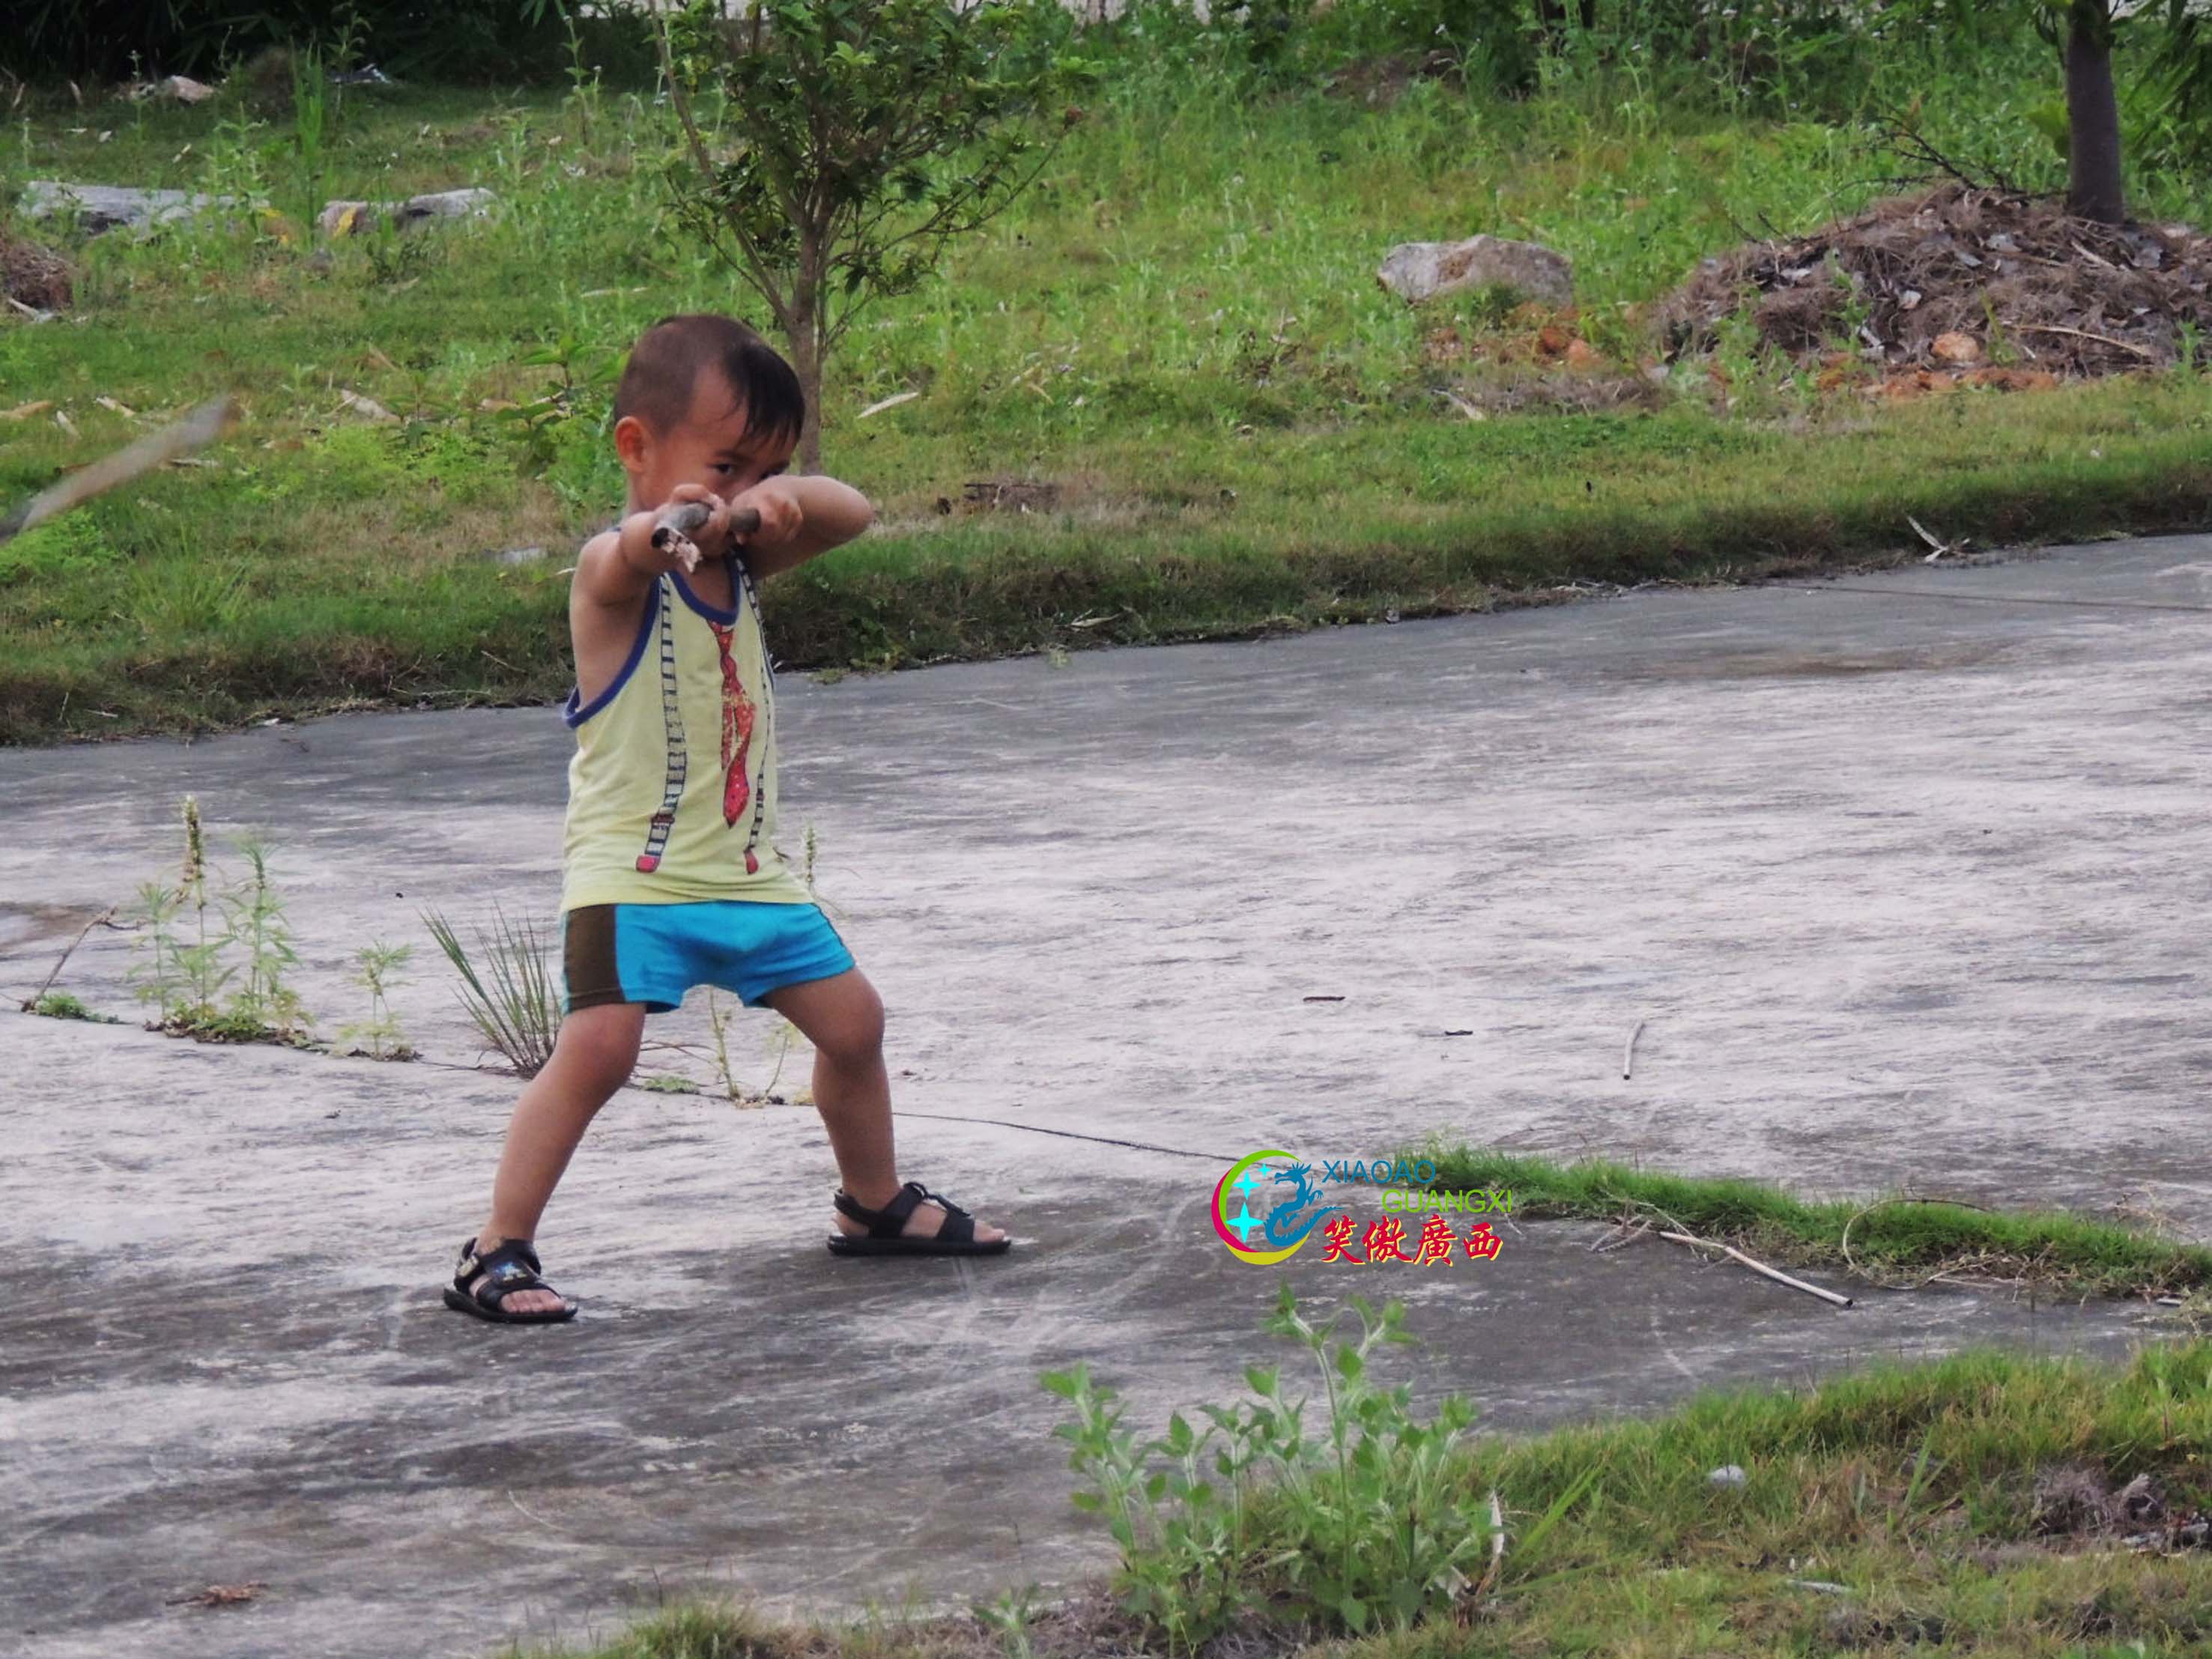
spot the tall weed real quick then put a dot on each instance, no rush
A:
(507, 987)
(1366, 1524)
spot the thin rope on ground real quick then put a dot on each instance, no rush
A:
(943, 1117)
(1071, 1135)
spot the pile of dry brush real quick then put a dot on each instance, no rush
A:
(1944, 279)
(35, 277)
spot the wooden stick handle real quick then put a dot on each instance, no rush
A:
(693, 515)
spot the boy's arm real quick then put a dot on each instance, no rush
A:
(617, 565)
(800, 520)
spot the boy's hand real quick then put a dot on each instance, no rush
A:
(800, 517)
(683, 549)
(647, 551)
(782, 515)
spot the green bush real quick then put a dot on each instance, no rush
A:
(1366, 1523)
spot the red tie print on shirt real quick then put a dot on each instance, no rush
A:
(737, 738)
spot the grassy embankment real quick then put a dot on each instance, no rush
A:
(1990, 1504)
(1895, 1239)
(1179, 329)
(2015, 1508)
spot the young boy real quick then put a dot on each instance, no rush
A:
(670, 875)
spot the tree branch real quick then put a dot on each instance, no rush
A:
(754, 265)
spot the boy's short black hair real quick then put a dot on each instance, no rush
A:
(664, 367)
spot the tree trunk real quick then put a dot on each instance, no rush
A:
(2093, 115)
(806, 363)
(802, 333)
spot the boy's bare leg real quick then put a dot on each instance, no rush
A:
(591, 1059)
(843, 1018)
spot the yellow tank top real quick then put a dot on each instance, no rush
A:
(671, 791)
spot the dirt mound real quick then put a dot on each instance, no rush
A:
(1957, 276)
(33, 275)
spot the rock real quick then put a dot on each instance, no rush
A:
(475, 203)
(356, 218)
(105, 207)
(1729, 1474)
(176, 89)
(368, 408)
(1956, 348)
(1416, 271)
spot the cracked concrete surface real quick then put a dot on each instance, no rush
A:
(1910, 884)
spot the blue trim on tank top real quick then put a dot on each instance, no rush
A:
(575, 716)
(722, 619)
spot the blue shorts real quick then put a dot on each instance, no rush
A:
(653, 953)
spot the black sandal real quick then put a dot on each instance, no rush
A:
(513, 1267)
(886, 1227)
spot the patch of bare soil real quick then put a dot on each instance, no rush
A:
(1382, 81)
(1536, 361)
(33, 275)
(1003, 495)
(1957, 278)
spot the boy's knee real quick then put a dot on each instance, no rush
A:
(602, 1051)
(858, 1034)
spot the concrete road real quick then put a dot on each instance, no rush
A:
(1907, 878)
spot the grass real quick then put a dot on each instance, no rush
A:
(1179, 330)
(1972, 1505)
(1895, 1240)
(509, 991)
(60, 1005)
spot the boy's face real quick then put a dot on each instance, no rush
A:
(708, 448)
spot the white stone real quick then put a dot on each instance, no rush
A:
(1416, 271)
(105, 207)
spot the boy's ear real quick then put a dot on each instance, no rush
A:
(633, 438)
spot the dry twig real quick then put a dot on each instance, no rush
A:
(1774, 1273)
(48, 984)
(218, 1595)
(2143, 352)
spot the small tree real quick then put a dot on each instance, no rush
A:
(2085, 31)
(851, 142)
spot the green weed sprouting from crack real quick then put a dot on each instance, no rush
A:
(506, 988)
(188, 962)
(60, 1005)
(1368, 1525)
(376, 970)
(255, 921)
(1010, 1617)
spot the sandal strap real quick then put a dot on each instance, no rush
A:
(959, 1226)
(513, 1267)
(890, 1222)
